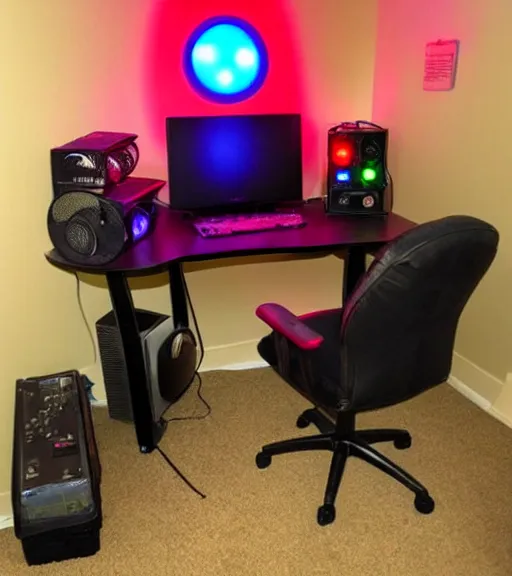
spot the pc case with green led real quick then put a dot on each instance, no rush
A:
(357, 175)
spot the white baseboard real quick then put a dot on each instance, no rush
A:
(5, 510)
(469, 393)
(6, 522)
(502, 408)
(478, 380)
(233, 354)
(482, 388)
(251, 365)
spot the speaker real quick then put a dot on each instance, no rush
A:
(91, 228)
(94, 160)
(169, 354)
(357, 175)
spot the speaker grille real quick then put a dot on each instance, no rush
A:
(86, 228)
(113, 363)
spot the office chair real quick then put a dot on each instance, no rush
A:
(392, 340)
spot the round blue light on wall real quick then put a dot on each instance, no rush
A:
(226, 60)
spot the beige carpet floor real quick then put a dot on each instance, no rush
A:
(263, 522)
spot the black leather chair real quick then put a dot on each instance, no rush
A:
(392, 340)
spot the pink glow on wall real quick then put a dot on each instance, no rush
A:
(168, 92)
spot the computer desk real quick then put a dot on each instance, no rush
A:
(175, 241)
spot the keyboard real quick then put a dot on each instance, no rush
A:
(229, 225)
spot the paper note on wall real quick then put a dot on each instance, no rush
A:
(440, 65)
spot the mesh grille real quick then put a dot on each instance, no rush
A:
(70, 203)
(86, 228)
(80, 236)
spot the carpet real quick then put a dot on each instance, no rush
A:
(263, 522)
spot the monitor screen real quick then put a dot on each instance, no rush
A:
(222, 161)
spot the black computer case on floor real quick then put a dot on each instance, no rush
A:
(56, 472)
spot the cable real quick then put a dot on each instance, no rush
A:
(79, 298)
(359, 122)
(161, 203)
(179, 473)
(196, 325)
(200, 396)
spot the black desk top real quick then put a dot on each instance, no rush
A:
(175, 239)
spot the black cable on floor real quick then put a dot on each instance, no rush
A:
(201, 397)
(179, 473)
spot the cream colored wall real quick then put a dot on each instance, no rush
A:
(451, 153)
(67, 70)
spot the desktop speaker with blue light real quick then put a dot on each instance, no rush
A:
(357, 175)
(91, 228)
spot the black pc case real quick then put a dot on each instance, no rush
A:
(56, 472)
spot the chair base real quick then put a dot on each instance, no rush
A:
(344, 440)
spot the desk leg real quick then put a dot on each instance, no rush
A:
(148, 432)
(178, 295)
(354, 268)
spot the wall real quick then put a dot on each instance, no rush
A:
(66, 71)
(450, 153)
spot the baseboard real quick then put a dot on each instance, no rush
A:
(469, 393)
(502, 408)
(251, 365)
(5, 510)
(229, 356)
(478, 380)
(482, 388)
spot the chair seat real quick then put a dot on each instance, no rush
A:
(316, 374)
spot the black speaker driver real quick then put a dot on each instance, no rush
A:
(86, 228)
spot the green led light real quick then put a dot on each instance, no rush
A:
(369, 174)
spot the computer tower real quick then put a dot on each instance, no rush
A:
(170, 369)
(56, 471)
(357, 174)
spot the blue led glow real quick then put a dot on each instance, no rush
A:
(140, 225)
(343, 176)
(226, 60)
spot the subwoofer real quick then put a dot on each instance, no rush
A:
(93, 228)
(169, 355)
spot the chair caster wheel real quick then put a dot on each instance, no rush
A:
(302, 422)
(326, 514)
(263, 460)
(424, 503)
(403, 443)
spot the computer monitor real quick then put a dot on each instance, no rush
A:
(240, 161)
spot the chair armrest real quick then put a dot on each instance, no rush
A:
(290, 326)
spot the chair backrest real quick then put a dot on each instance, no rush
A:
(399, 324)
